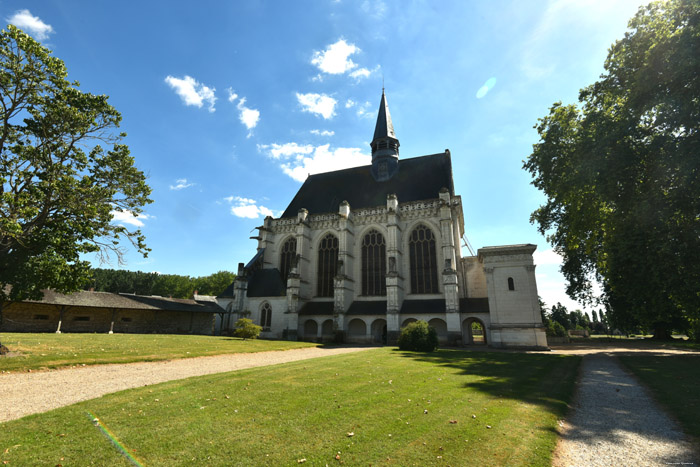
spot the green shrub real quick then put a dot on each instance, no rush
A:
(418, 336)
(555, 329)
(694, 330)
(246, 329)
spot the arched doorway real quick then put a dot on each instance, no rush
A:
(310, 330)
(474, 332)
(408, 321)
(379, 331)
(440, 327)
(357, 330)
(327, 330)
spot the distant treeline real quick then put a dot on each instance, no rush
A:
(152, 283)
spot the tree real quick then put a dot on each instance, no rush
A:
(622, 175)
(59, 185)
(246, 329)
(418, 336)
(560, 314)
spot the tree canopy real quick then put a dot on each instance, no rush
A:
(621, 173)
(152, 283)
(64, 172)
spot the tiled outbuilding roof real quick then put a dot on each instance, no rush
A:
(126, 301)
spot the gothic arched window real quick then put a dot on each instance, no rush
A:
(421, 249)
(266, 316)
(289, 250)
(327, 265)
(373, 264)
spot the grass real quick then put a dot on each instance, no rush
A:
(401, 408)
(674, 380)
(39, 351)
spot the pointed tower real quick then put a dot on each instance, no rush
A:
(385, 145)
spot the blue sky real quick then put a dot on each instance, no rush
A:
(229, 105)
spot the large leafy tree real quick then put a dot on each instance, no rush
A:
(63, 171)
(621, 173)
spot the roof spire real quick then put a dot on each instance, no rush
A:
(385, 145)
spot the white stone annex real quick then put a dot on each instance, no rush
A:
(361, 252)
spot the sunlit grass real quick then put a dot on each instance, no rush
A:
(60, 350)
(375, 407)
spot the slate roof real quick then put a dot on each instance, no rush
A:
(474, 305)
(126, 302)
(317, 308)
(266, 283)
(367, 308)
(433, 305)
(417, 179)
(384, 126)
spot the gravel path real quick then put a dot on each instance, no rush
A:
(615, 422)
(28, 393)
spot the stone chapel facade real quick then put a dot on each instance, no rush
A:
(360, 252)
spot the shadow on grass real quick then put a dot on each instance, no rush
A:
(543, 379)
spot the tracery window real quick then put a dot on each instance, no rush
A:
(289, 251)
(327, 265)
(266, 316)
(421, 248)
(373, 264)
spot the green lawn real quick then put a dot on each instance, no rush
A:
(450, 407)
(60, 350)
(675, 382)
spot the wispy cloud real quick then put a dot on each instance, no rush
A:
(247, 208)
(128, 217)
(299, 161)
(248, 117)
(30, 24)
(350, 103)
(363, 110)
(180, 184)
(322, 133)
(192, 92)
(319, 104)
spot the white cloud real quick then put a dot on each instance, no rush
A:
(360, 73)
(335, 60)
(298, 161)
(350, 103)
(284, 151)
(191, 92)
(320, 104)
(247, 208)
(232, 96)
(322, 133)
(542, 257)
(128, 217)
(249, 117)
(24, 20)
(181, 183)
(363, 111)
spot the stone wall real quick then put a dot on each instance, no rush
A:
(37, 317)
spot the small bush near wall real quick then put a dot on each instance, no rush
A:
(246, 329)
(418, 336)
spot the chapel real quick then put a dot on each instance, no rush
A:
(361, 252)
